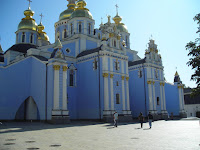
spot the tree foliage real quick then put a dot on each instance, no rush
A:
(194, 61)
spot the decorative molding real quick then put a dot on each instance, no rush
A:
(127, 78)
(56, 67)
(180, 86)
(65, 68)
(149, 82)
(111, 75)
(105, 75)
(123, 77)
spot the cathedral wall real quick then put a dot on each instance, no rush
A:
(15, 88)
(69, 49)
(172, 99)
(90, 45)
(38, 86)
(137, 93)
(88, 91)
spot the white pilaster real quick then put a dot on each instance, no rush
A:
(127, 94)
(150, 96)
(111, 84)
(85, 26)
(106, 94)
(123, 94)
(161, 97)
(180, 98)
(56, 87)
(154, 96)
(164, 101)
(64, 107)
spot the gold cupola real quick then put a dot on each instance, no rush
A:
(81, 11)
(42, 34)
(120, 26)
(28, 22)
(67, 13)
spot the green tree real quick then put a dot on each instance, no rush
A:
(194, 61)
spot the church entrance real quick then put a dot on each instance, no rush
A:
(28, 110)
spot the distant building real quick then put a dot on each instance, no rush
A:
(192, 104)
(87, 73)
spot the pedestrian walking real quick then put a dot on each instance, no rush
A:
(141, 119)
(115, 117)
(150, 118)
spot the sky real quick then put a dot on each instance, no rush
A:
(170, 22)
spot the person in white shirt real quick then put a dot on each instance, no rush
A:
(115, 116)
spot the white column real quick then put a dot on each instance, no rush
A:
(127, 94)
(161, 97)
(85, 26)
(56, 87)
(164, 101)
(180, 98)
(111, 84)
(150, 96)
(64, 103)
(123, 94)
(111, 92)
(75, 27)
(106, 95)
(154, 96)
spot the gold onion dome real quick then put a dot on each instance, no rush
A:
(120, 26)
(67, 13)
(81, 11)
(28, 22)
(42, 35)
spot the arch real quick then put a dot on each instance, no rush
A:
(31, 38)
(28, 110)
(23, 37)
(64, 33)
(80, 28)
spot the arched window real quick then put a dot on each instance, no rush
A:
(115, 44)
(65, 33)
(116, 65)
(140, 73)
(117, 99)
(71, 78)
(99, 36)
(23, 37)
(71, 28)
(17, 37)
(89, 28)
(95, 64)
(57, 35)
(31, 38)
(79, 27)
(126, 40)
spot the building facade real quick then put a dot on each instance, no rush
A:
(87, 73)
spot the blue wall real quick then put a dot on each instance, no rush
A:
(172, 99)
(17, 84)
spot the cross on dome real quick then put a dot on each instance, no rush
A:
(29, 2)
(117, 8)
(41, 17)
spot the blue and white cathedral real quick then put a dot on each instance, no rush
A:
(87, 73)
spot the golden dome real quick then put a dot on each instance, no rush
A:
(81, 11)
(28, 22)
(42, 35)
(66, 14)
(122, 27)
(117, 19)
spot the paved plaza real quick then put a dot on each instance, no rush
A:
(164, 135)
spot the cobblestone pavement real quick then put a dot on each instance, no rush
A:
(164, 135)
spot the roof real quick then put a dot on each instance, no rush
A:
(87, 52)
(21, 47)
(191, 100)
(1, 59)
(132, 63)
(40, 57)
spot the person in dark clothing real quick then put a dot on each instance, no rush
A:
(150, 118)
(141, 119)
